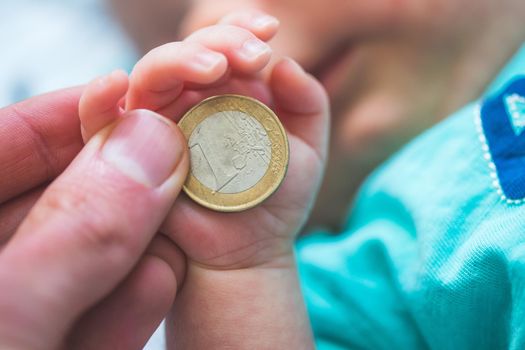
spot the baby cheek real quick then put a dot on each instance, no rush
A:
(382, 17)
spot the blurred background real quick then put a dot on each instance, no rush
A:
(52, 44)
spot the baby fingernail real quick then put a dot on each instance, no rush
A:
(206, 60)
(117, 74)
(144, 147)
(295, 66)
(264, 21)
(102, 81)
(254, 48)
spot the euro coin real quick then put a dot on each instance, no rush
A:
(238, 152)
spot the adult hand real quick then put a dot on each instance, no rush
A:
(83, 267)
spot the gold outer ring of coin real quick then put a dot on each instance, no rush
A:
(271, 180)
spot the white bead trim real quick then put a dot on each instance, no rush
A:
(490, 163)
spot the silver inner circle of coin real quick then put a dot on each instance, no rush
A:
(230, 152)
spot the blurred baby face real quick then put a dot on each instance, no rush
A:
(392, 68)
(383, 62)
(348, 44)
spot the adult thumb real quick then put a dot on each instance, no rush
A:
(89, 228)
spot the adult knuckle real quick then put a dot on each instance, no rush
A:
(91, 220)
(102, 235)
(39, 138)
(65, 198)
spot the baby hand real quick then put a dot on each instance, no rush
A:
(243, 261)
(226, 58)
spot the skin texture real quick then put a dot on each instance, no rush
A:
(227, 252)
(392, 68)
(81, 265)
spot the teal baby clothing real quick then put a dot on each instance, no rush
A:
(433, 254)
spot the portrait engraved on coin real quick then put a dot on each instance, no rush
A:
(230, 152)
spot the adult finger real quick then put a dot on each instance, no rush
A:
(15, 211)
(38, 138)
(128, 317)
(89, 228)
